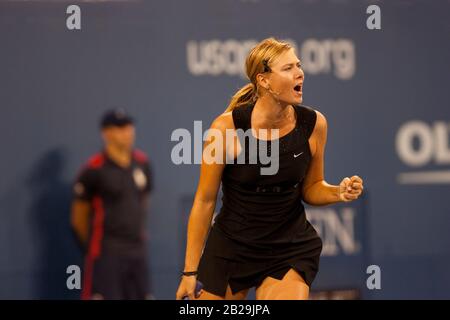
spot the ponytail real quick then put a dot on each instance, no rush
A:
(244, 96)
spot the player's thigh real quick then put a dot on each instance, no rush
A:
(291, 287)
(241, 295)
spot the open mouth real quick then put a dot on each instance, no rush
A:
(298, 88)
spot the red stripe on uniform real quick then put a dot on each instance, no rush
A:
(94, 246)
(140, 156)
(96, 161)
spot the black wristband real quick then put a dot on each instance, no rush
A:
(189, 273)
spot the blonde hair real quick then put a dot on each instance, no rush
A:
(258, 61)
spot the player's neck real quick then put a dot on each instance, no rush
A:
(121, 157)
(271, 114)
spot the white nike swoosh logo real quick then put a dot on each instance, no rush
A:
(296, 155)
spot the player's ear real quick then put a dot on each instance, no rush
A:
(262, 81)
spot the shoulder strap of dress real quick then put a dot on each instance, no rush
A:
(241, 117)
(307, 119)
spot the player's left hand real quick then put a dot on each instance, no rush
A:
(350, 188)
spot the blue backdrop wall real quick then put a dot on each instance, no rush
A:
(384, 92)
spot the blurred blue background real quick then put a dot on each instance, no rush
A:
(384, 92)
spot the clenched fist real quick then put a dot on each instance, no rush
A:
(350, 188)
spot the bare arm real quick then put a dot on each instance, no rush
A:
(204, 201)
(79, 219)
(203, 208)
(316, 191)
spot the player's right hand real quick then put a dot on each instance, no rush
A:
(187, 288)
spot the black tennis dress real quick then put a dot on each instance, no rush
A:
(261, 229)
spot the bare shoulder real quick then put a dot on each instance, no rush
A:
(318, 137)
(223, 121)
(320, 127)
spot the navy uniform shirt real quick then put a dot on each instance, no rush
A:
(118, 196)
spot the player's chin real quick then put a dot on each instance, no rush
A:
(296, 100)
(291, 100)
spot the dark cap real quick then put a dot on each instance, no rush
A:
(116, 117)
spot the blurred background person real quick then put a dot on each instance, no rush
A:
(109, 214)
